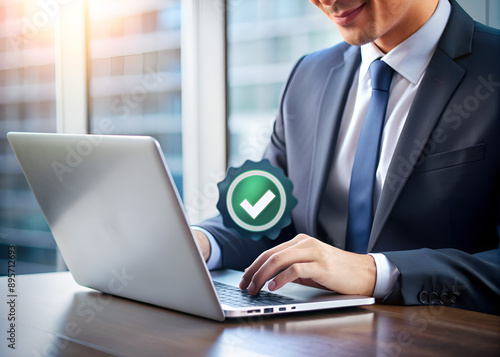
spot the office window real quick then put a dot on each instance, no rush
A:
(135, 74)
(27, 103)
(265, 39)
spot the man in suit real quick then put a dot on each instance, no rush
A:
(433, 235)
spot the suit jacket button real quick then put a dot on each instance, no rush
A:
(423, 297)
(445, 299)
(434, 298)
(454, 297)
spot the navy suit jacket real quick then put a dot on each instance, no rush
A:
(439, 208)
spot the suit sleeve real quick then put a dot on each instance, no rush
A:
(467, 277)
(238, 253)
(447, 277)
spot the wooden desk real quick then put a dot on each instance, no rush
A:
(57, 317)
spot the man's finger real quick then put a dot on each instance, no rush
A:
(296, 272)
(261, 259)
(276, 263)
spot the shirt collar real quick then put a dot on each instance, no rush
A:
(411, 57)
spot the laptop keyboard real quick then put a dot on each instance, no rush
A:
(233, 296)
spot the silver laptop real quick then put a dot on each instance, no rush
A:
(118, 221)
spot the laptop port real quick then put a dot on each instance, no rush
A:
(282, 308)
(250, 311)
(268, 310)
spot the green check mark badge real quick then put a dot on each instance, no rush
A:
(256, 200)
(256, 209)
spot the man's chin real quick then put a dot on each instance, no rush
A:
(357, 42)
(356, 38)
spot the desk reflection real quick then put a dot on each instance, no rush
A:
(322, 333)
(121, 326)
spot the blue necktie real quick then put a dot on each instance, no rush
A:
(360, 218)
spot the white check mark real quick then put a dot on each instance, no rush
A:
(256, 209)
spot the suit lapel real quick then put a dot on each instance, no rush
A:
(327, 126)
(442, 77)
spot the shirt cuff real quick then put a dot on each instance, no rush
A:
(387, 274)
(215, 259)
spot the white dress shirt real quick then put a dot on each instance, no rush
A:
(409, 60)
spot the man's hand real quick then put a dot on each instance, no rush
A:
(308, 261)
(203, 244)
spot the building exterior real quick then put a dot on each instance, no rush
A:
(27, 103)
(134, 81)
